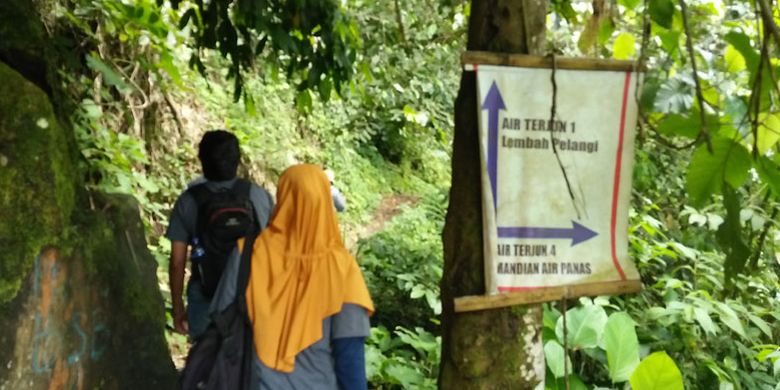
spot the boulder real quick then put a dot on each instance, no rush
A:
(80, 306)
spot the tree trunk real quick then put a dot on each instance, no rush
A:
(491, 349)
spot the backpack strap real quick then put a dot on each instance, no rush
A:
(200, 193)
(243, 270)
(243, 187)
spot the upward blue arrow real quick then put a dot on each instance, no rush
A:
(493, 103)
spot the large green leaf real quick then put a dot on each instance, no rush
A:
(585, 326)
(657, 372)
(662, 12)
(554, 355)
(728, 162)
(676, 124)
(741, 42)
(622, 346)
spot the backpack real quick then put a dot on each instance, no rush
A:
(222, 357)
(224, 216)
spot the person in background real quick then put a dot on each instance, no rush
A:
(219, 156)
(306, 297)
(339, 201)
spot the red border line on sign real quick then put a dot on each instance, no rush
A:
(616, 186)
(519, 289)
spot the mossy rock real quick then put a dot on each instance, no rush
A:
(37, 190)
(80, 306)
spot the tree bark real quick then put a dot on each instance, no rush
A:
(492, 349)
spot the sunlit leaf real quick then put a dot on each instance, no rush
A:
(741, 42)
(768, 132)
(657, 372)
(623, 48)
(735, 62)
(709, 93)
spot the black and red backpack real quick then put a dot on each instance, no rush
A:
(224, 216)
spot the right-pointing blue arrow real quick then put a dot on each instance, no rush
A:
(577, 233)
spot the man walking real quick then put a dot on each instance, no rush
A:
(209, 216)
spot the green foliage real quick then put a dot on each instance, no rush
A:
(403, 265)
(391, 363)
(314, 42)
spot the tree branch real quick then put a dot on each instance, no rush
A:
(753, 262)
(174, 112)
(769, 21)
(400, 21)
(704, 132)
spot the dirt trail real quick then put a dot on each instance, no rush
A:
(389, 207)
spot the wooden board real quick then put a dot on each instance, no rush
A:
(529, 61)
(485, 302)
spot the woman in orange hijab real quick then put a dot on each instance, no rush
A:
(306, 296)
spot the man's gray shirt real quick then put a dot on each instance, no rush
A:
(184, 216)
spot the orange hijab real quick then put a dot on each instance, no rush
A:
(301, 272)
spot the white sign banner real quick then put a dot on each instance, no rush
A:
(556, 192)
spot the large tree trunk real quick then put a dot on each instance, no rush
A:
(502, 348)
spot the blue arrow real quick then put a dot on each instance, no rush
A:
(493, 103)
(577, 233)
